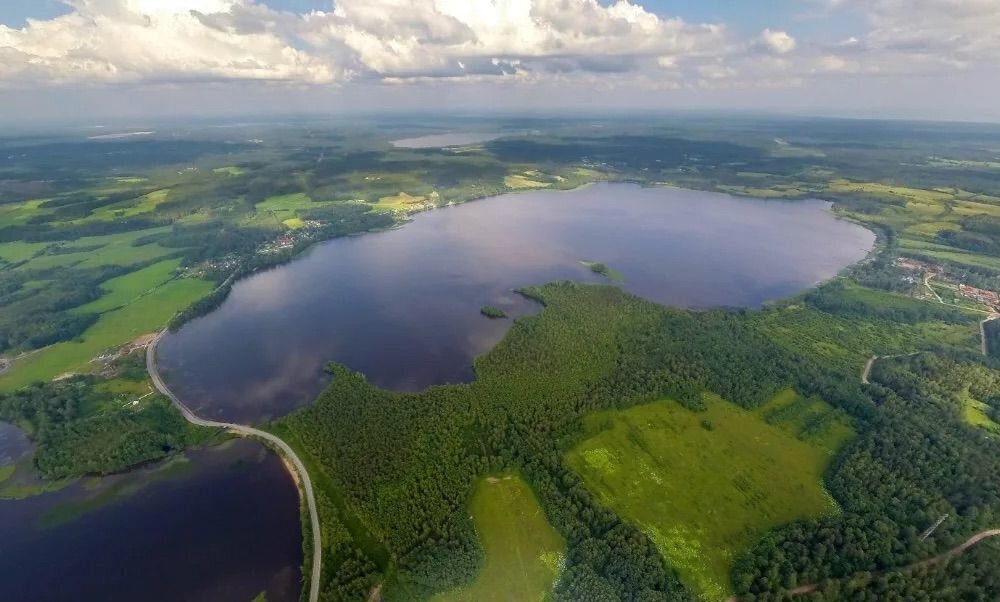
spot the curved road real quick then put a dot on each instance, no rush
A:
(247, 431)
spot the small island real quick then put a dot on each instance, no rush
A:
(603, 270)
(493, 313)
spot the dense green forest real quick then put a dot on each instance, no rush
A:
(971, 576)
(80, 426)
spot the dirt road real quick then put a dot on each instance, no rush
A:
(944, 556)
(247, 431)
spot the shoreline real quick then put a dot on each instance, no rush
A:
(288, 456)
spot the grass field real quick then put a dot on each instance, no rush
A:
(20, 251)
(124, 289)
(230, 170)
(114, 249)
(524, 554)
(704, 486)
(401, 202)
(518, 182)
(144, 315)
(19, 213)
(974, 413)
(286, 206)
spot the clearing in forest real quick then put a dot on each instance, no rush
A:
(706, 485)
(524, 554)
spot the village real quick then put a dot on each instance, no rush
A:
(944, 289)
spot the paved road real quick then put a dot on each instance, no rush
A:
(247, 431)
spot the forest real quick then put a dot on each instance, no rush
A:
(406, 462)
(79, 431)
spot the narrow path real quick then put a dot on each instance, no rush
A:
(247, 431)
(942, 557)
(927, 283)
(871, 362)
(868, 370)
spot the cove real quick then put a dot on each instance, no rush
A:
(212, 524)
(402, 306)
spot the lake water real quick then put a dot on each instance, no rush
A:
(403, 306)
(14, 444)
(216, 524)
(446, 140)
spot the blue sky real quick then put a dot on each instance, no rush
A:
(14, 12)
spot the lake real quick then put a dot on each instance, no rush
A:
(210, 525)
(402, 306)
(14, 444)
(446, 140)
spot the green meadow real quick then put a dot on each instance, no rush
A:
(146, 314)
(974, 413)
(93, 251)
(705, 485)
(122, 290)
(524, 554)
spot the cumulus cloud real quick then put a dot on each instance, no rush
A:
(167, 40)
(399, 41)
(141, 40)
(777, 42)
(919, 36)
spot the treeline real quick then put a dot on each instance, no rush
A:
(992, 331)
(47, 232)
(76, 433)
(979, 234)
(79, 205)
(972, 576)
(833, 298)
(913, 463)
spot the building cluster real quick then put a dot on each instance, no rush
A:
(287, 240)
(917, 266)
(980, 295)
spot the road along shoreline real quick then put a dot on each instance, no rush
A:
(292, 461)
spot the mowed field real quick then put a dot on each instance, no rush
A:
(524, 554)
(146, 314)
(705, 485)
(122, 290)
